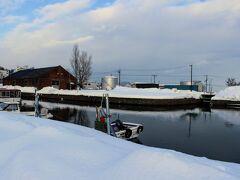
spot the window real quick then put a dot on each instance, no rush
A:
(55, 82)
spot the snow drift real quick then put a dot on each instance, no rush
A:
(35, 148)
(230, 93)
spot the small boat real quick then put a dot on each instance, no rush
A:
(117, 128)
(126, 130)
(10, 95)
(15, 107)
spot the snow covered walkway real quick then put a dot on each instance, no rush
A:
(33, 148)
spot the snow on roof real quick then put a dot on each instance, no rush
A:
(23, 89)
(35, 148)
(230, 93)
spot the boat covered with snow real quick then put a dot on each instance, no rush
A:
(10, 95)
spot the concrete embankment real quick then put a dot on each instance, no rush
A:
(94, 100)
(225, 104)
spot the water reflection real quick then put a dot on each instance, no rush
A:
(209, 133)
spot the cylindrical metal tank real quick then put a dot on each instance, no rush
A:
(109, 82)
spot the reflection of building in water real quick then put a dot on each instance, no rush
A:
(72, 115)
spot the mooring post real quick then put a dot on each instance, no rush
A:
(36, 104)
(108, 114)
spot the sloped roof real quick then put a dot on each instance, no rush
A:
(31, 73)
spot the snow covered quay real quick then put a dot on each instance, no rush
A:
(121, 95)
(35, 148)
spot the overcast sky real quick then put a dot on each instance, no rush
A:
(161, 37)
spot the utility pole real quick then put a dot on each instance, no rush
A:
(210, 86)
(191, 66)
(206, 81)
(119, 77)
(154, 78)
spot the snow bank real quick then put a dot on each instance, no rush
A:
(121, 92)
(230, 93)
(34, 148)
(125, 92)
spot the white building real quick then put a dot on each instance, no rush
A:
(90, 85)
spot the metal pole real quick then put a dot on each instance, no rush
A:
(191, 77)
(119, 77)
(154, 78)
(189, 125)
(206, 83)
(108, 114)
(36, 104)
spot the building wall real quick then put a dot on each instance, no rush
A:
(182, 87)
(145, 85)
(3, 74)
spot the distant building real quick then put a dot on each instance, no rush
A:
(185, 85)
(3, 73)
(56, 77)
(90, 85)
(144, 85)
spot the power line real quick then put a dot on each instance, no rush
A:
(158, 69)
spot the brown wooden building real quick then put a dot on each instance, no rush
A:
(56, 77)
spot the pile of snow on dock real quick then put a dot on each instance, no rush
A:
(125, 92)
(121, 92)
(35, 148)
(230, 93)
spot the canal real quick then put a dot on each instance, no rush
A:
(207, 133)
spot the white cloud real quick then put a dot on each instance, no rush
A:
(11, 19)
(9, 5)
(136, 33)
(57, 10)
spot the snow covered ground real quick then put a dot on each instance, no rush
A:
(230, 93)
(34, 148)
(122, 92)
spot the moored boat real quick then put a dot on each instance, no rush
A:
(10, 95)
(117, 128)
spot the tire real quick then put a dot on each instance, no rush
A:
(140, 129)
(128, 133)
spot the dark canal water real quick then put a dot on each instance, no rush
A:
(214, 134)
